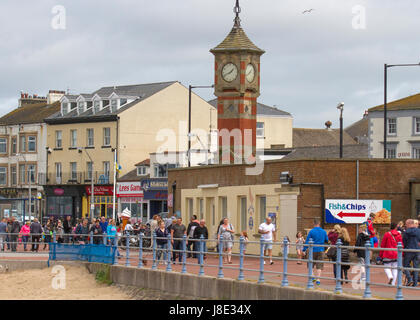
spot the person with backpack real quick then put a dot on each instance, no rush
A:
(190, 239)
(361, 240)
(344, 237)
(390, 240)
(225, 235)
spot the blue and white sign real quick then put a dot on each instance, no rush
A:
(357, 211)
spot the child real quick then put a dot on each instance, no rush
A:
(299, 246)
(245, 235)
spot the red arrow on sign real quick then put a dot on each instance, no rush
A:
(351, 215)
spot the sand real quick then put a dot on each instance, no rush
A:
(37, 284)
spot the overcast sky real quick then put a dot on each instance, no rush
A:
(312, 62)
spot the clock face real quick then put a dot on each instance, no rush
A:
(250, 73)
(229, 72)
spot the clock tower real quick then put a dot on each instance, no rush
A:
(237, 87)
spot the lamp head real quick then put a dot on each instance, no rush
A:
(340, 106)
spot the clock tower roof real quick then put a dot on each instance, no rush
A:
(237, 40)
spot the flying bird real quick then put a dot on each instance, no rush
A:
(308, 11)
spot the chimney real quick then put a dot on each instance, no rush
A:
(54, 95)
(366, 114)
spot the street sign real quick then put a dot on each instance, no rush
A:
(357, 211)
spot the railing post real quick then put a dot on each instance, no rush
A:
(241, 258)
(338, 286)
(368, 293)
(54, 247)
(89, 247)
(127, 250)
(399, 295)
(285, 282)
(91, 237)
(184, 254)
(168, 255)
(261, 278)
(154, 266)
(115, 244)
(140, 265)
(310, 284)
(201, 256)
(104, 238)
(220, 273)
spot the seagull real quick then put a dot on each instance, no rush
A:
(308, 11)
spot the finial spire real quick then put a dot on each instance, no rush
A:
(237, 11)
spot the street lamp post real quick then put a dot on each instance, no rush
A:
(30, 190)
(92, 192)
(386, 66)
(189, 119)
(341, 108)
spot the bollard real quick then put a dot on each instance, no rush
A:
(261, 278)
(127, 250)
(154, 266)
(220, 273)
(399, 295)
(184, 255)
(310, 284)
(368, 293)
(338, 286)
(285, 282)
(140, 265)
(201, 256)
(168, 256)
(241, 258)
(115, 244)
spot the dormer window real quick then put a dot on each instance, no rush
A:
(80, 107)
(88, 105)
(73, 105)
(64, 108)
(141, 171)
(96, 106)
(114, 105)
(123, 102)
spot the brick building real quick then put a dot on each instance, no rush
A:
(214, 192)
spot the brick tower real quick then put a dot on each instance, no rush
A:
(237, 87)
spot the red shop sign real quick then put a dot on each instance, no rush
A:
(100, 190)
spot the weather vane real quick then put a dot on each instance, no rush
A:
(237, 11)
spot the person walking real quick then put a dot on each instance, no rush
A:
(319, 237)
(191, 245)
(361, 240)
(344, 237)
(334, 234)
(199, 231)
(411, 240)
(225, 235)
(36, 231)
(162, 241)
(300, 240)
(49, 229)
(390, 240)
(25, 233)
(14, 233)
(177, 232)
(268, 231)
(3, 233)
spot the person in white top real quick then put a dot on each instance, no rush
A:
(268, 233)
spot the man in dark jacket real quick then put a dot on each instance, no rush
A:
(96, 229)
(199, 231)
(190, 234)
(67, 228)
(83, 231)
(14, 233)
(361, 240)
(411, 240)
(36, 231)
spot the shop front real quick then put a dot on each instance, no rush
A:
(64, 201)
(102, 201)
(156, 193)
(130, 196)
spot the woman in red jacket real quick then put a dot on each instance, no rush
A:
(389, 258)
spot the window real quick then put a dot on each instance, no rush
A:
(391, 151)
(107, 136)
(3, 145)
(14, 145)
(31, 143)
(263, 208)
(90, 140)
(243, 213)
(3, 176)
(161, 170)
(22, 173)
(58, 139)
(201, 208)
(260, 129)
(73, 170)
(416, 153)
(190, 204)
(223, 206)
(107, 167)
(31, 173)
(114, 105)
(96, 106)
(13, 173)
(392, 126)
(89, 166)
(64, 108)
(81, 107)
(73, 138)
(141, 171)
(123, 102)
(58, 172)
(22, 143)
